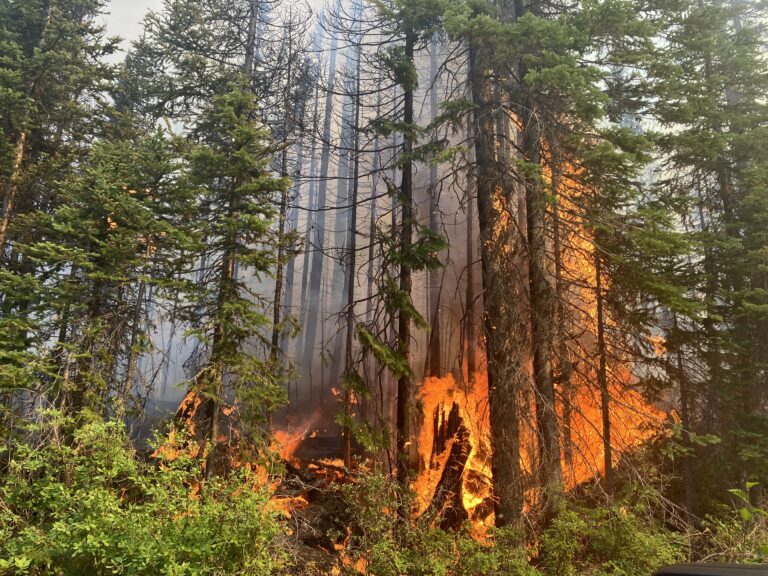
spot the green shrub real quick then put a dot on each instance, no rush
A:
(738, 534)
(91, 506)
(617, 541)
(391, 547)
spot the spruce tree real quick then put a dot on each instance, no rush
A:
(117, 241)
(54, 80)
(235, 219)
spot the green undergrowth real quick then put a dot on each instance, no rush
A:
(76, 499)
(79, 501)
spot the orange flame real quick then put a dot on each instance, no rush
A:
(633, 421)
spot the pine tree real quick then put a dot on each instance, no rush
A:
(54, 77)
(708, 84)
(116, 242)
(237, 194)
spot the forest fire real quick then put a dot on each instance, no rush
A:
(456, 434)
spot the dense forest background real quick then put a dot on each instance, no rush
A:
(390, 287)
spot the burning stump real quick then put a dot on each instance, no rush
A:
(450, 451)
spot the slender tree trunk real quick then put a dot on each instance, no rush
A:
(712, 414)
(277, 311)
(542, 311)
(351, 262)
(133, 354)
(685, 417)
(564, 357)
(293, 224)
(375, 177)
(504, 368)
(341, 225)
(250, 43)
(316, 270)
(404, 383)
(311, 207)
(469, 321)
(602, 375)
(288, 119)
(227, 290)
(435, 365)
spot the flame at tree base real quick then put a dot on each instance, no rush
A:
(458, 413)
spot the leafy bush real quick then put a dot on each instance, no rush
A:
(739, 534)
(89, 505)
(618, 540)
(387, 546)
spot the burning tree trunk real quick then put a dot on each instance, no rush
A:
(452, 436)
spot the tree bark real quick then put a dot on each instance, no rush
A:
(404, 383)
(504, 367)
(542, 312)
(602, 376)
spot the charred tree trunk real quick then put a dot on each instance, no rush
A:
(542, 311)
(316, 269)
(250, 42)
(346, 433)
(311, 219)
(288, 120)
(602, 375)
(450, 434)
(564, 357)
(469, 306)
(279, 273)
(341, 224)
(133, 353)
(685, 417)
(504, 368)
(375, 177)
(435, 364)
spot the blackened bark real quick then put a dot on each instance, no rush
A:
(504, 368)
(346, 433)
(316, 265)
(602, 375)
(435, 364)
(564, 356)
(542, 311)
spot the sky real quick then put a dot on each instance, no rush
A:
(125, 17)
